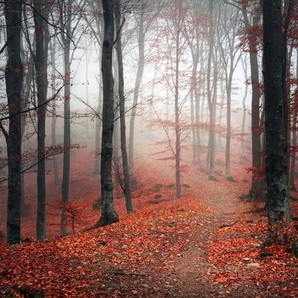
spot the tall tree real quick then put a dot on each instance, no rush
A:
(125, 164)
(70, 15)
(144, 21)
(65, 8)
(41, 10)
(13, 81)
(251, 18)
(108, 214)
(212, 69)
(230, 58)
(278, 205)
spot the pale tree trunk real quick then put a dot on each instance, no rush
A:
(108, 214)
(125, 165)
(97, 132)
(54, 106)
(177, 123)
(211, 96)
(13, 81)
(244, 64)
(40, 61)
(139, 76)
(26, 94)
(229, 56)
(294, 138)
(278, 205)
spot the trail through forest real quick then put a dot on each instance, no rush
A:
(205, 244)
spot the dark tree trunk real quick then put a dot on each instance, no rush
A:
(257, 187)
(40, 61)
(65, 19)
(278, 205)
(108, 214)
(14, 80)
(125, 165)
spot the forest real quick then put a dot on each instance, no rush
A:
(148, 148)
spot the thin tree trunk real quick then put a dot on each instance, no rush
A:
(211, 97)
(97, 133)
(244, 109)
(67, 116)
(54, 116)
(294, 139)
(257, 187)
(40, 61)
(125, 165)
(139, 76)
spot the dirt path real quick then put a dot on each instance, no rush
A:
(193, 271)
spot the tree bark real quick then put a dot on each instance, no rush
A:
(257, 188)
(40, 61)
(139, 76)
(125, 164)
(278, 206)
(65, 19)
(108, 214)
(14, 80)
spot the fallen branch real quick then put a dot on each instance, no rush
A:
(229, 224)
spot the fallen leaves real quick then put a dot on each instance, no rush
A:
(137, 256)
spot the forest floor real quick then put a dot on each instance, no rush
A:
(205, 244)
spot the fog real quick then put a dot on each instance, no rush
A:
(186, 76)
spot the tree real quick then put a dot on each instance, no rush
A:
(212, 90)
(41, 11)
(230, 57)
(65, 8)
(278, 206)
(108, 214)
(125, 164)
(251, 18)
(13, 81)
(67, 14)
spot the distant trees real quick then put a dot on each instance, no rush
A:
(192, 55)
(251, 14)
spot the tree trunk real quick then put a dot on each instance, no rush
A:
(14, 79)
(97, 133)
(244, 64)
(66, 12)
(139, 76)
(278, 206)
(108, 214)
(54, 116)
(212, 100)
(125, 165)
(40, 61)
(257, 187)
(294, 138)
